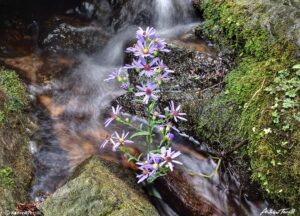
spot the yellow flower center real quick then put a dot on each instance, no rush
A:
(155, 166)
(145, 51)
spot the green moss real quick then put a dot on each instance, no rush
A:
(229, 25)
(14, 97)
(273, 146)
(99, 188)
(15, 159)
(6, 177)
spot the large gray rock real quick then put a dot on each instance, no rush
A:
(99, 188)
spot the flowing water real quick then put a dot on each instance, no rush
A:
(70, 113)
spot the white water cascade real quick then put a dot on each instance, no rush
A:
(173, 12)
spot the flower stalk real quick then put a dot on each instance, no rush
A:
(159, 159)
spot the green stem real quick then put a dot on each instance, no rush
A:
(192, 173)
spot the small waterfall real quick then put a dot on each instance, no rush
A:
(169, 13)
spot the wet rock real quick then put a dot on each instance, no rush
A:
(70, 35)
(14, 40)
(16, 164)
(127, 13)
(98, 188)
(40, 68)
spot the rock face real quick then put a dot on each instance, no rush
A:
(69, 35)
(98, 188)
(16, 167)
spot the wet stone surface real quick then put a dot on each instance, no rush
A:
(70, 35)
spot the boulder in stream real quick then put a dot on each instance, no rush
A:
(97, 188)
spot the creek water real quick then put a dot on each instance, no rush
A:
(70, 113)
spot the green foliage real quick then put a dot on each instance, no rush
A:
(15, 97)
(286, 108)
(227, 23)
(265, 93)
(6, 177)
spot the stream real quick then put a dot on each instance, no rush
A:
(70, 110)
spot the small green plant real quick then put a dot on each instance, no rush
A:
(286, 108)
(6, 177)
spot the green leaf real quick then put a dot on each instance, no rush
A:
(141, 133)
(288, 103)
(297, 66)
(273, 162)
(297, 116)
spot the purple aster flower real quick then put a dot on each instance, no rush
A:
(160, 78)
(116, 74)
(145, 163)
(151, 162)
(121, 140)
(142, 49)
(148, 33)
(162, 67)
(157, 114)
(168, 156)
(113, 115)
(142, 65)
(148, 70)
(148, 167)
(145, 174)
(160, 45)
(170, 125)
(148, 91)
(108, 138)
(175, 112)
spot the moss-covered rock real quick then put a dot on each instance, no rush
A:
(15, 159)
(259, 103)
(99, 188)
(13, 96)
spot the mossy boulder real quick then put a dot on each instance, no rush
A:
(260, 102)
(98, 188)
(15, 159)
(13, 96)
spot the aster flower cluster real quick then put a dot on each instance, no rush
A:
(151, 71)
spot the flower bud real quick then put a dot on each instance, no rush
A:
(119, 78)
(161, 129)
(158, 71)
(155, 53)
(155, 166)
(167, 128)
(170, 136)
(137, 70)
